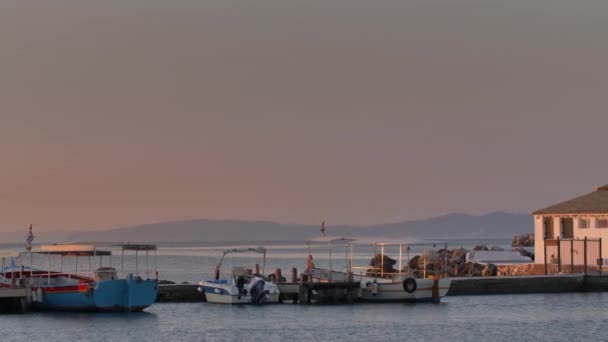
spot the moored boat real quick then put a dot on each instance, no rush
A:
(99, 290)
(241, 286)
(379, 281)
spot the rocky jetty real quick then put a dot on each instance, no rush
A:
(431, 262)
(381, 264)
(524, 240)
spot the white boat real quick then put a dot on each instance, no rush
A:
(241, 286)
(377, 283)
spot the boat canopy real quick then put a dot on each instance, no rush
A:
(9, 254)
(137, 247)
(383, 241)
(71, 250)
(259, 249)
(330, 239)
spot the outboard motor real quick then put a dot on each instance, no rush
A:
(256, 290)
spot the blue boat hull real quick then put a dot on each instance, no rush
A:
(124, 295)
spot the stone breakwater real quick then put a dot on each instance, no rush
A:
(524, 240)
(431, 262)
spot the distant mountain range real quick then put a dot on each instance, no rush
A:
(451, 226)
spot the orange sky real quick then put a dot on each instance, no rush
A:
(124, 112)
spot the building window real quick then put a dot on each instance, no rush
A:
(567, 224)
(601, 223)
(548, 228)
(583, 223)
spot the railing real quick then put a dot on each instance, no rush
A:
(573, 255)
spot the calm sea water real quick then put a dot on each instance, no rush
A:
(554, 317)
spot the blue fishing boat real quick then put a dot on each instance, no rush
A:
(98, 290)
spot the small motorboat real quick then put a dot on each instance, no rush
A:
(97, 290)
(241, 286)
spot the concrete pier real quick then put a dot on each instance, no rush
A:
(465, 286)
(15, 299)
(179, 293)
(517, 285)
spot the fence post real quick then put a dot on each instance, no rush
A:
(601, 260)
(572, 256)
(545, 245)
(559, 255)
(585, 254)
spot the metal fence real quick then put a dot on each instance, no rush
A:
(573, 255)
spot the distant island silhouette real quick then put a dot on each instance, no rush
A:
(450, 226)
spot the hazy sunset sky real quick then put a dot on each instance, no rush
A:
(122, 112)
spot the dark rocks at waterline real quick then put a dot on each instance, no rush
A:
(524, 252)
(413, 263)
(457, 256)
(489, 270)
(470, 269)
(381, 264)
(524, 240)
(486, 248)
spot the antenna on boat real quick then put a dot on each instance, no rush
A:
(29, 239)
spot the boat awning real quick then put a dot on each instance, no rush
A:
(259, 249)
(381, 241)
(330, 239)
(137, 247)
(71, 250)
(9, 254)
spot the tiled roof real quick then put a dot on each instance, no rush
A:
(592, 203)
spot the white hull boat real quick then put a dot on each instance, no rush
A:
(397, 290)
(227, 292)
(241, 287)
(379, 282)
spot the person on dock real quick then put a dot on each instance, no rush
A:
(310, 264)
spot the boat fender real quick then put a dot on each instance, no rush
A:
(409, 285)
(374, 288)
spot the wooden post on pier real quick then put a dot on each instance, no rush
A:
(294, 275)
(278, 275)
(435, 292)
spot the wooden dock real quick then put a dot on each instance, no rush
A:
(345, 292)
(319, 292)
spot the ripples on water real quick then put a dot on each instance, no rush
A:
(554, 317)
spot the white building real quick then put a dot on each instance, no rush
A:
(579, 218)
